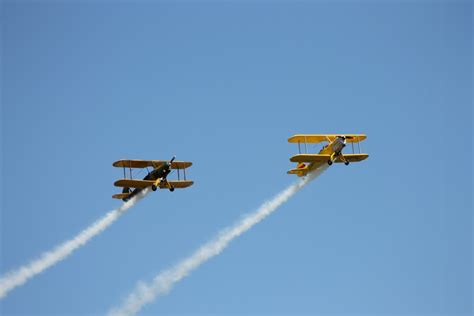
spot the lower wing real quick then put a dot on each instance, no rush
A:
(128, 183)
(177, 184)
(325, 158)
(352, 157)
(310, 158)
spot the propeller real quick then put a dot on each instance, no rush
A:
(343, 138)
(170, 162)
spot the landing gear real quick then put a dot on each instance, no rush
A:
(171, 189)
(329, 162)
(153, 187)
(346, 163)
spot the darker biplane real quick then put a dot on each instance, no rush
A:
(156, 178)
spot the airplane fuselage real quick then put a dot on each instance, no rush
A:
(160, 172)
(334, 149)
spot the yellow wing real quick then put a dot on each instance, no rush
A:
(177, 184)
(181, 164)
(128, 183)
(310, 158)
(150, 163)
(353, 157)
(325, 158)
(318, 138)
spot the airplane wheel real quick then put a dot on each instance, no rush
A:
(329, 162)
(347, 163)
(171, 189)
(153, 187)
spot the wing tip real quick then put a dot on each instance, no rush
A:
(117, 163)
(181, 164)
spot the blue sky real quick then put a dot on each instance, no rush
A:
(224, 85)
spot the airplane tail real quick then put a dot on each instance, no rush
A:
(124, 196)
(121, 196)
(300, 170)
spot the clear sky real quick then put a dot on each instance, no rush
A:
(224, 85)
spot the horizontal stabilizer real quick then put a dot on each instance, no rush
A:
(298, 172)
(120, 196)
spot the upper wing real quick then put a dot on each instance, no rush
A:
(181, 164)
(318, 138)
(353, 157)
(310, 158)
(151, 163)
(126, 163)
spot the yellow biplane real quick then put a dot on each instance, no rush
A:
(156, 178)
(331, 152)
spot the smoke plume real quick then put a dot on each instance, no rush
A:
(17, 277)
(164, 282)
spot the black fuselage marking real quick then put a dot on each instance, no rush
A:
(160, 172)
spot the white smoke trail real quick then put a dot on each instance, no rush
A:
(19, 276)
(163, 282)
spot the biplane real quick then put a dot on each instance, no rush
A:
(156, 178)
(330, 153)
